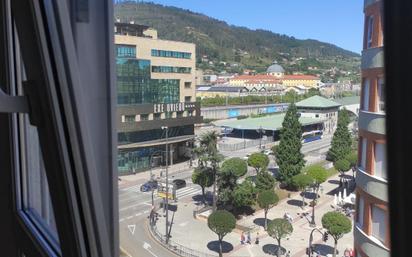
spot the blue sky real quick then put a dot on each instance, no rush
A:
(339, 22)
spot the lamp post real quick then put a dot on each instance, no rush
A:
(312, 222)
(167, 183)
(260, 131)
(324, 238)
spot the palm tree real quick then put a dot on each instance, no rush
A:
(210, 156)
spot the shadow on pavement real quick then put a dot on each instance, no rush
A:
(333, 181)
(272, 249)
(259, 221)
(323, 249)
(295, 202)
(214, 246)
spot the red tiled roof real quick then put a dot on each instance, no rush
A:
(300, 77)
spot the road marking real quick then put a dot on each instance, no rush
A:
(129, 217)
(147, 247)
(183, 224)
(138, 214)
(131, 206)
(121, 220)
(131, 228)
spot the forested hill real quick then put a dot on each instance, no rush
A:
(222, 42)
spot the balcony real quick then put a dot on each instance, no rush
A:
(369, 245)
(372, 58)
(372, 121)
(367, 3)
(375, 186)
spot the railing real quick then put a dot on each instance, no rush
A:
(243, 145)
(175, 247)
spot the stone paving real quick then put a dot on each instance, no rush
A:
(195, 234)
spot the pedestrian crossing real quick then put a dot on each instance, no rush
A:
(180, 193)
(187, 191)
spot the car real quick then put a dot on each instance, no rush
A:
(179, 183)
(268, 152)
(148, 186)
(246, 157)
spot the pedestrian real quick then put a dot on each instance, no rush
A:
(288, 254)
(242, 238)
(351, 252)
(257, 238)
(249, 240)
(346, 253)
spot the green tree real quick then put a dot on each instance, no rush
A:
(259, 161)
(244, 194)
(210, 157)
(352, 158)
(319, 175)
(235, 165)
(336, 224)
(341, 141)
(266, 200)
(226, 184)
(301, 182)
(221, 222)
(342, 166)
(203, 177)
(264, 181)
(288, 155)
(278, 229)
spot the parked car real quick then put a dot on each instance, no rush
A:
(148, 186)
(268, 152)
(246, 157)
(179, 183)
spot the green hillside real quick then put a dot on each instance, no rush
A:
(233, 48)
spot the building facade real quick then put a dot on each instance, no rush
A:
(317, 107)
(156, 88)
(371, 229)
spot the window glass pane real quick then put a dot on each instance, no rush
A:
(380, 161)
(378, 223)
(366, 95)
(363, 155)
(35, 190)
(370, 31)
(381, 95)
(361, 207)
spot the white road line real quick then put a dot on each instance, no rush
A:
(121, 220)
(129, 217)
(130, 206)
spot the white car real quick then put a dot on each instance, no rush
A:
(268, 152)
(246, 157)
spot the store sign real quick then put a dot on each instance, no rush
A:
(173, 107)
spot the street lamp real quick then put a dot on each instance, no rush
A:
(260, 131)
(167, 183)
(312, 222)
(309, 250)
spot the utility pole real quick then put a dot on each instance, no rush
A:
(167, 183)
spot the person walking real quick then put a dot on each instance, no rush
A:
(287, 254)
(242, 238)
(249, 240)
(257, 238)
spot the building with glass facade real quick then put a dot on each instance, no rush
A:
(371, 229)
(155, 86)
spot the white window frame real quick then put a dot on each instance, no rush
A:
(374, 233)
(381, 95)
(364, 146)
(380, 168)
(360, 212)
(370, 23)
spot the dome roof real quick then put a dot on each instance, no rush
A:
(275, 68)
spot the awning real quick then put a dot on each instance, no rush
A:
(156, 142)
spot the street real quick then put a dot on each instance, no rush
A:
(135, 206)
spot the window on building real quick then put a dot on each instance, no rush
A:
(171, 54)
(369, 34)
(365, 105)
(378, 223)
(190, 113)
(188, 84)
(125, 51)
(157, 116)
(188, 98)
(360, 212)
(179, 114)
(363, 153)
(169, 115)
(380, 160)
(129, 118)
(171, 69)
(144, 116)
(381, 95)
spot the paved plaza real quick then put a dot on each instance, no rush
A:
(195, 234)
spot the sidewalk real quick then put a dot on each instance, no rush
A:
(196, 235)
(141, 177)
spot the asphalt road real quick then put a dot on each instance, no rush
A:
(134, 206)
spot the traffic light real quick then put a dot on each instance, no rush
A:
(325, 236)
